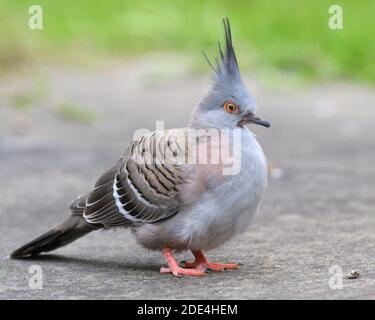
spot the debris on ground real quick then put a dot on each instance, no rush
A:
(354, 274)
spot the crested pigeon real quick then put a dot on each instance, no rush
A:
(170, 200)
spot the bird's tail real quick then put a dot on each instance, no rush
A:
(71, 229)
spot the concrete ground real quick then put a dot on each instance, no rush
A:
(316, 223)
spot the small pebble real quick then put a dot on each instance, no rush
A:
(354, 274)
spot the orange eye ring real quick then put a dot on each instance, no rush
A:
(230, 107)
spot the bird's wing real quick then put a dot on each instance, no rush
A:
(145, 184)
(99, 206)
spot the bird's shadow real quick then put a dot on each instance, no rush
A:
(96, 263)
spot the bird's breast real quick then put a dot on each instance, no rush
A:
(226, 208)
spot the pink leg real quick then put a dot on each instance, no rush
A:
(175, 269)
(201, 263)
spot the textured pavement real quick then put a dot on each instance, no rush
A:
(318, 211)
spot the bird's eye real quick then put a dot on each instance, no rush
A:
(230, 107)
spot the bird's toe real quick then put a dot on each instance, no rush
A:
(183, 271)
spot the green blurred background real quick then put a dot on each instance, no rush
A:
(271, 36)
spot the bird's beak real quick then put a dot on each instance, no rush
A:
(250, 117)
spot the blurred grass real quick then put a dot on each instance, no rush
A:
(39, 90)
(289, 36)
(75, 113)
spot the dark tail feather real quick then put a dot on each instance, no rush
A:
(70, 230)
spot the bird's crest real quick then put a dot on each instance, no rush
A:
(226, 64)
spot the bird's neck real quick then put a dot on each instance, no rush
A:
(199, 120)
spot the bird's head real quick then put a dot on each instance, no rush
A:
(229, 102)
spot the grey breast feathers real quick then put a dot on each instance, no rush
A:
(143, 186)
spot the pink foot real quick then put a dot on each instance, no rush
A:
(201, 263)
(183, 271)
(175, 269)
